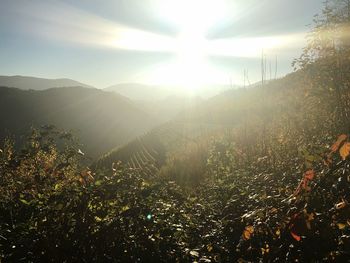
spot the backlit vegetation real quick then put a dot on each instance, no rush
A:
(256, 174)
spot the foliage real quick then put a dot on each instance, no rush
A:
(329, 36)
(325, 60)
(54, 210)
(271, 186)
(187, 165)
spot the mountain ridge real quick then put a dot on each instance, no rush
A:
(103, 120)
(36, 83)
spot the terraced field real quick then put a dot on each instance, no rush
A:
(149, 152)
(145, 153)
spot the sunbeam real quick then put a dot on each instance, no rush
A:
(190, 46)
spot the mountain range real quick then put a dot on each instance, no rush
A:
(101, 120)
(143, 92)
(33, 83)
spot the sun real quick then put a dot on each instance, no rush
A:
(190, 68)
(191, 62)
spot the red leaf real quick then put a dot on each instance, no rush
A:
(336, 145)
(295, 236)
(309, 174)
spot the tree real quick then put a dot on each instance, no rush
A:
(326, 60)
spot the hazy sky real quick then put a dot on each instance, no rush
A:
(180, 42)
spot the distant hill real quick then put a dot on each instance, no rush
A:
(33, 83)
(164, 102)
(169, 107)
(142, 92)
(101, 120)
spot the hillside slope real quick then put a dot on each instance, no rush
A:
(204, 119)
(141, 92)
(101, 120)
(33, 83)
(165, 102)
(251, 112)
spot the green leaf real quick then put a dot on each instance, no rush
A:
(98, 182)
(59, 206)
(125, 208)
(24, 201)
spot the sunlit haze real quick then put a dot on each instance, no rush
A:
(175, 131)
(185, 44)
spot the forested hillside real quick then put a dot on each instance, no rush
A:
(260, 174)
(101, 120)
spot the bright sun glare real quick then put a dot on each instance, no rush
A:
(192, 19)
(190, 67)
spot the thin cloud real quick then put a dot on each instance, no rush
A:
(61, 22)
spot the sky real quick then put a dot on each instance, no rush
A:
(187, 43)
